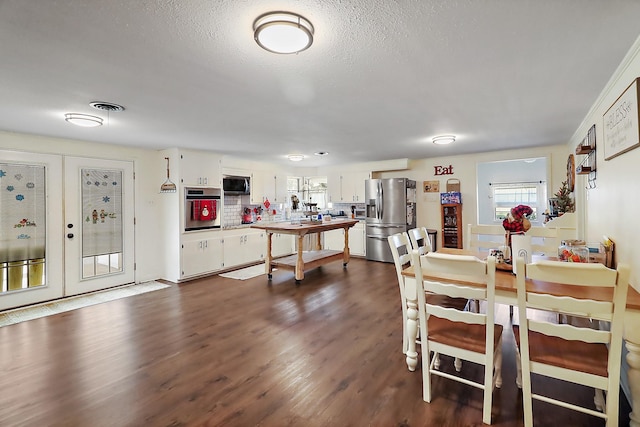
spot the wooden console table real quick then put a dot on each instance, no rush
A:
(306, 259)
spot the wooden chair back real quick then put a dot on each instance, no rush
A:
(420, 240)
(455, 332)
(590, 357)
(485, 237)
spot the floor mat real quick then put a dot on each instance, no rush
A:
(31, 312)
(245, 273)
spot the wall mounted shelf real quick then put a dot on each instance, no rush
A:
(587, 166)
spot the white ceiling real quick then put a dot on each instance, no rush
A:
(381, 78)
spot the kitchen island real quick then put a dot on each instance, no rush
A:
(306, 259)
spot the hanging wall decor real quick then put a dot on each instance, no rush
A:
(621, 131)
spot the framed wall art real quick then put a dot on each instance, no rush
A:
(621, 131)
(431, 186)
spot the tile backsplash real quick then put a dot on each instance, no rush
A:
(234, 206)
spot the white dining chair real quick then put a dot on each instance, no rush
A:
(467, 335)
(401, 251)
(571, 353)
(420, 239)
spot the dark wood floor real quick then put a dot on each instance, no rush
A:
(224, 352)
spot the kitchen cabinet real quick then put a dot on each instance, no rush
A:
(201, 253)
(347, 187)
(200, 168)
(275, 186)
(257, 188)
(183, 257)
(270, 185)
(281, 244)
(334, 240)
(452, 225)
(243, 247)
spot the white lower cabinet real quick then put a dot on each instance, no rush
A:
(357, 240)
(201, 253)
(243, 247)
(334, 240)
(207, 252)
(282, 244)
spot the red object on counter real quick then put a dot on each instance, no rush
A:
(267, 203)
(204, 210)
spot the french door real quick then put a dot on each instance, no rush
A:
(99, 224)
(66, 226)
(31, 245)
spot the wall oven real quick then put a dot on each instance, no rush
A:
(202, 209)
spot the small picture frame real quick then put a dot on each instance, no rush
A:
(431, 186)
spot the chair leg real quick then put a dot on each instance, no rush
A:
(426, 373)
(488, 390)
(497, 365)
(598, 400)
(518, 368)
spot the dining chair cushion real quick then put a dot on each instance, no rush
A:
(575, 355)
(468, 337)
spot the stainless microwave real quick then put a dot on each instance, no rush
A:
(237, 185)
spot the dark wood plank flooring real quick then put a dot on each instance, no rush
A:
(224, 352)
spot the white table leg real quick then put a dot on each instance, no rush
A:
(632, 342)
(412, 322)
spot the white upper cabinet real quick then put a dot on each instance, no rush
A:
(334, 187)
(257, 187)
(200, 168)
(357, 185)
(347, 187)
(270, 185)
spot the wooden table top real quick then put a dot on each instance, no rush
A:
(506, 282)
(303, 228)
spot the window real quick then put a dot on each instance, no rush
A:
(508, 195)
(503, 184)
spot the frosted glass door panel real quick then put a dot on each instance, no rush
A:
(102, 231)
(30, 228)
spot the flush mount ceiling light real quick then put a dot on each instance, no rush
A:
(295, 157)
(443, 139)
(283, 32)
(83, 120)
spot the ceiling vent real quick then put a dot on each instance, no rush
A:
(106, 106)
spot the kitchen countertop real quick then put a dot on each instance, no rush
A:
(263, 222)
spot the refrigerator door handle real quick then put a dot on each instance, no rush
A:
(386, 226)
(369, 236)
(381, 200)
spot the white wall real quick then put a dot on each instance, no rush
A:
(149, 176)
(613, 207)
(464, 169)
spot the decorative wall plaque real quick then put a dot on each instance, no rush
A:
(621, 132)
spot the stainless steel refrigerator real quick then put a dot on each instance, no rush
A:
(390, 209)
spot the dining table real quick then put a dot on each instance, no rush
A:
(506, 293)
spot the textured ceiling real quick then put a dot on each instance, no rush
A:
(381, 78)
